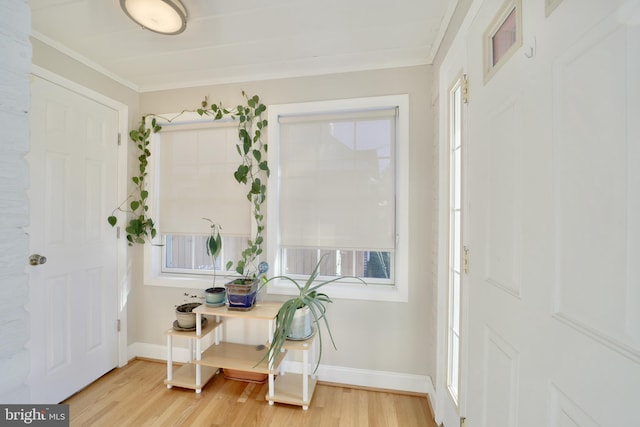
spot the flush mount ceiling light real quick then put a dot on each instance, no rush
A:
(160, 16)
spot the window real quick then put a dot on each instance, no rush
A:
(455, 240)
(193, 179)
(187, 254)
(503, 37)
(338, 187)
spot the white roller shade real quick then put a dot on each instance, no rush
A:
(337, 180)
(196, 181)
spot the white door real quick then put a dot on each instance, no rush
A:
(73, 182)
(554, 184)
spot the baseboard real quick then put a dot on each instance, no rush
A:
(372, 379)
(333, 374)
(157, 352)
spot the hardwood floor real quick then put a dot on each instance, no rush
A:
(136, 396)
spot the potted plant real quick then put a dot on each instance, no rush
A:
(185, 318)
(252, 172)
(243, 292)
(299, 316)
(215, 295)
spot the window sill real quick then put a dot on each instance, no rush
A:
(171, 280)
(345, 290)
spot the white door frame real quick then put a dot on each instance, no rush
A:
(452, 65)
(123, 287)
(443, 398)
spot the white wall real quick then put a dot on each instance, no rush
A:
(15, 51)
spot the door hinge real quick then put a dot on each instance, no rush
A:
(465, 259)
(119, 138)
(118, 325)
(118, 232)
(465, 89)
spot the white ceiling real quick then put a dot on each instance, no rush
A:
(243, 40)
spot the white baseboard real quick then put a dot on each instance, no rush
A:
(376, 379)
(333, 374)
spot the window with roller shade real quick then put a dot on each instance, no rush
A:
(338, 188)
(195, 181)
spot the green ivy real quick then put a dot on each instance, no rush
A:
(252, 171)
(253, 166)
(140, 227)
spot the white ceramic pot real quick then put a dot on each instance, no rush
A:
(186, 319)
(301, 324)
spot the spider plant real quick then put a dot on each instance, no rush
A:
(309, 295)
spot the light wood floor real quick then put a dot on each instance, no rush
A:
(136, 396)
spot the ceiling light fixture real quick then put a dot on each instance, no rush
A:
(160, 16)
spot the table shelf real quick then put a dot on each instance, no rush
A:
(241, 357)
(186, 375)
(233, 356)
(288, 390)
(293, 388)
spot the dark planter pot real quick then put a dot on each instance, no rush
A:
(240, 295)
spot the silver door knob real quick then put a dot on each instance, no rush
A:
(36, 259)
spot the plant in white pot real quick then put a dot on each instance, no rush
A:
(299, 316)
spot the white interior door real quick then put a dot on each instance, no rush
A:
(73, 187)
(554, 183)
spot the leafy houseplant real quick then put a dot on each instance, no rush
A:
(214, 295)
(310, 299)
(252, 171)
(213, 244)
(140, 227)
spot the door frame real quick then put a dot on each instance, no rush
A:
(123, 283)
(453, 79)
(450, 71)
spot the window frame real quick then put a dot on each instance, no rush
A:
(491, 67)
(398, 291)
(153, 253)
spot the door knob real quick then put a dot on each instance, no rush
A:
(36, 259)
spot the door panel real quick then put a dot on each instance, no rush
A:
(554, 212)
(73, 186)
(596, 261)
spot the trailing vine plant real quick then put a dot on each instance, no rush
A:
(140, 227)
(252, 171)
(253, 167)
